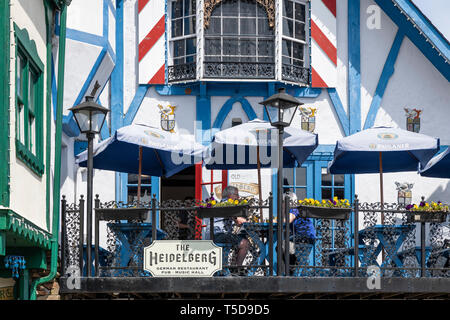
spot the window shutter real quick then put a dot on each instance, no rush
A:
(152, 51)
(323, 44)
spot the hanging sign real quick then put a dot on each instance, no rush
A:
(182, 258)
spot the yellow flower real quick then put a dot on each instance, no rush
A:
(416, 207)
(230, 200)
(213, 202)
(245, 201)
(236, 202)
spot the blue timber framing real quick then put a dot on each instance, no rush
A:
(386, 74)
(69, 126)
(354, 66)
(420, 31)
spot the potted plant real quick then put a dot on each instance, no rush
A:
(212, 208)
(325, 209)
(426, 212)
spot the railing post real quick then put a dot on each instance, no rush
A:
(286, 235)
(270, 239)
(63, 235)
(81, 244)
(356, 234)
(97, 236)
(154, 217)
(422, 247)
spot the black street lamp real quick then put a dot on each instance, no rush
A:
(90, 117)
(281, 108)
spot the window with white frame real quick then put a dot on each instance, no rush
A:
(295, 40)
(183, 39)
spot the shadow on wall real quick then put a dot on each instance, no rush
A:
(440, 194)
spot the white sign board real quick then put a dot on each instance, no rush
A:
(182, 258)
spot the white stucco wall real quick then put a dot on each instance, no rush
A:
(416, 83)
(27, 190)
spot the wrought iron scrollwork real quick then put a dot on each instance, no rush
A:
(240, 70)
(182, 72)
(269, 6)
(293, 73)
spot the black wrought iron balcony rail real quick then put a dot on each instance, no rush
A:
(294, 73)
(239, 70)
(182, 72)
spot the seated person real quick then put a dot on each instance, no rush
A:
(301, 229)
(223, 228)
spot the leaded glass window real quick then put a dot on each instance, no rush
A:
(239, 42)
(294, 50)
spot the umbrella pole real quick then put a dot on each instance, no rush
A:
(139, 176)
(259, 184)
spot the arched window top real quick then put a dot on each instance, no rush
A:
(268, 5)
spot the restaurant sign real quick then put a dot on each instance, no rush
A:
(182, 258)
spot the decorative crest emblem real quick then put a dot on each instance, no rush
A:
(167, 117)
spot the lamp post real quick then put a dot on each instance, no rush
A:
(280, 109)
(89, 117)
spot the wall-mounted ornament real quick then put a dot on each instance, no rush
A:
(413, 119)
(308, 118)
(404, 193)
(167, 117)
(268, 5)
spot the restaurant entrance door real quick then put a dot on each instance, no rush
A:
(179, 186)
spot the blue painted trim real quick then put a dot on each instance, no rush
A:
(105, 20)
(90, 77)
(156, 191)
(203, 117)
(135, 104)
(111, 6)
(68, 122)
(227, 107)
(354, 66)
(116, 83)
(339, 109)
(86, 37)
(419, 40)
(79, 147)
(249, 89)
(386, 74)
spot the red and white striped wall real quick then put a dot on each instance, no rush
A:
(151, 55)
(323, 44)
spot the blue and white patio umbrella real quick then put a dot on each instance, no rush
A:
(382, 149)
(237, 147)
(143, 149)
(438, 166)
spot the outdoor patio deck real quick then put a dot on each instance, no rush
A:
(394, 249)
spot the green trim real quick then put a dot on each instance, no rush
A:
(30, 64)
(4, 101)
(57, 155)
(49, 17)
(11, 222)
(33, 162)
(29, 46)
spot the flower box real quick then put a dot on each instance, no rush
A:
(324, 212)
(223, 211)
(122, 213)
(426, 216)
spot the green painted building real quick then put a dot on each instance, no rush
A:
(30, 140)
